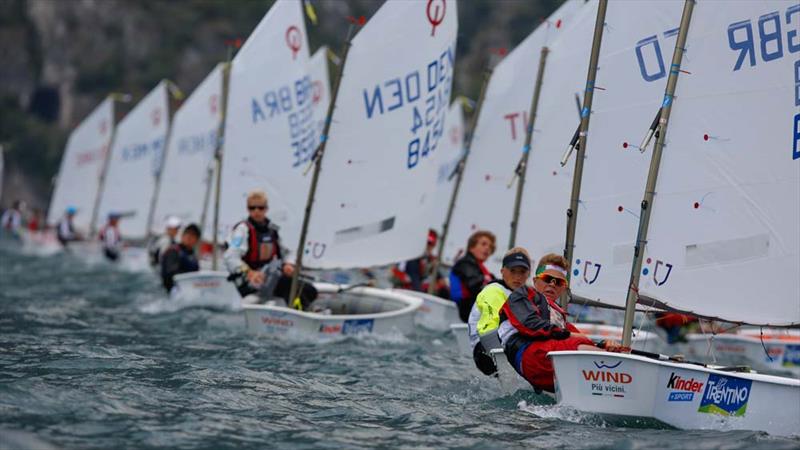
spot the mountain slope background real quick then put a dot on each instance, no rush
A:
(60, 58)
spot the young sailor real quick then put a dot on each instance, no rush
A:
(254, 258)
(414, 274)
(111, 237)
(534, 325)
(161, 243)
(11, 220)
(180, 258)
(468, 275)
(65, 229)
(485, 315)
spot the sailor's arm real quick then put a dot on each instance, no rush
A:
(238, 244)
(529, 322)
(489, 302)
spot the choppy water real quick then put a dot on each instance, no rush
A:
(82, 365)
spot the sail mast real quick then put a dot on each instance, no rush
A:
(526, 149)
(317, 161)
(652, 176)
(174, 94)
(459, 174)
(115, 98)
(583, 130)
(226, 77)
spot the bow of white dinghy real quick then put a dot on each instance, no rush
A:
(205, 289)
(685, 396)
(339, 311)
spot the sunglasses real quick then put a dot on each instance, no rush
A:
(256, 207)
(547, 279)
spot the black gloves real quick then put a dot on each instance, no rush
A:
(483, 360)
(559, 334)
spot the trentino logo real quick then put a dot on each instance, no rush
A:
(725, 396)
(791, 356)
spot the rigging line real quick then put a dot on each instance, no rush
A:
(648, 310)
(709, 342)
(764, 346)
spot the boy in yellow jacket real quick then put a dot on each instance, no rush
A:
(484, 318)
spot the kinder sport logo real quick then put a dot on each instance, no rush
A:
(682, 389)
(725, 396)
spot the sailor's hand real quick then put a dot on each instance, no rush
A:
(288, 269)
(255, 278)
(614, 346)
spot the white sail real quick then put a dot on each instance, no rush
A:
(543, 221)
(320, 86)
(378, 175)
(270, 132)
(82, 164)
(134, 162)
(486, 200)
(189, 162)
(632, 70)
(449, 153)
(725, 228)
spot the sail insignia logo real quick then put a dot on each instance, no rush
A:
(660, 271)
(294, 40)
(435, 14)
(589, 270)
(725, 396)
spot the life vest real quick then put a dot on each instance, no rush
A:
(116, 236)
(262, 246)
(188, 260)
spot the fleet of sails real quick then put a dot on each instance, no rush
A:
(724, 238)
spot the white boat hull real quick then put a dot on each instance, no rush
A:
(681, 395)
(393, 315)
(205, 289)
(435, 313)
(779, 352)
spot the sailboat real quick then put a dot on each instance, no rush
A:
(437, 313)
(715, 215)
(188, 186)
(498, 141)
(132, 175)
(541, 224)
(79, 180)
(486, 200)
(393, 98)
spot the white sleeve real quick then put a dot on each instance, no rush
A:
(238, 244)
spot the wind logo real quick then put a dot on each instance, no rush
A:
(607, 380)
(686, 388)
(725, 396)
